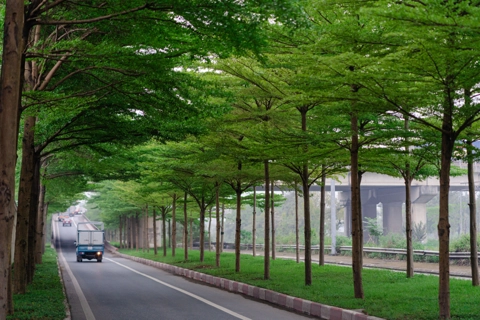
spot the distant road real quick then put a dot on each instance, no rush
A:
(118, 288)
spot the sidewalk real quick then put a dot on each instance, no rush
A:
(391, 264)
(398, 265)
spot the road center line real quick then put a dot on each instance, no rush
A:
(239, 316)
(83, 301)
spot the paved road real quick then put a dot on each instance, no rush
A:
(118, 288)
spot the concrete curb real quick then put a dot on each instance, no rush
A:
(311, 308)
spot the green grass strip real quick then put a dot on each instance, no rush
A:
(388, 294)
(44, 297)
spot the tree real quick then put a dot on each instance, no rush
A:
(444, 59)
(12, 55)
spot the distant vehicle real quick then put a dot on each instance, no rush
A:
(89, 244)
(62, 218)
(67, 222)
(71, 214)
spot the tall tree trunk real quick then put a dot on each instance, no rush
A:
(254, 223)
(307, 226)
(266, 255)
(448, 140)
(185, 227)
(41, 226)
(238, 227)
(155, 244)
(306, 201)
(127, 226)
(473, 216)
(191, 233)
(357, 230)
(223, 226)
(408, 222)
(23, 210)
(321, 249)
(134, 230)
(169, 232)
(145, 230)
(11, 85)
(272, 210)
(202, 230)
(297, 235)
(210, 229)
(33, 220)
(217, 233)
(164, 230)
(174, 224)
(408, 208)
(120, 230)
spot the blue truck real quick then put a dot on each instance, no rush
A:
(90, 241)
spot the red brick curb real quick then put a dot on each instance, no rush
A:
(311, 308)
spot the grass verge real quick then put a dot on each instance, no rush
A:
(388, 294)
(44, 297)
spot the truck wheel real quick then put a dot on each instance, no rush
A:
(79, 259)
(99, 260)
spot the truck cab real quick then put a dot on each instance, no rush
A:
(90, 241)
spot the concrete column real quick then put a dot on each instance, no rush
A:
(392, 217)
(419, 213)
(368, 211)
(344, 198)
(348, 218)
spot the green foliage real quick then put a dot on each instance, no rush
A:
(419, 232)
(342, 241)
(462, 243)
(374, 230)
(393, 240)
(245, 236)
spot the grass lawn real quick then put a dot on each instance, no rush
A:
(388, 294)
(44, 298)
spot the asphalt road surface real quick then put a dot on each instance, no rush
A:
(118, 288)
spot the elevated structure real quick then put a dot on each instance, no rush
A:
(390, 193)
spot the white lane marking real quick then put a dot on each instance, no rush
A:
(83, 301)
(239, 316)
